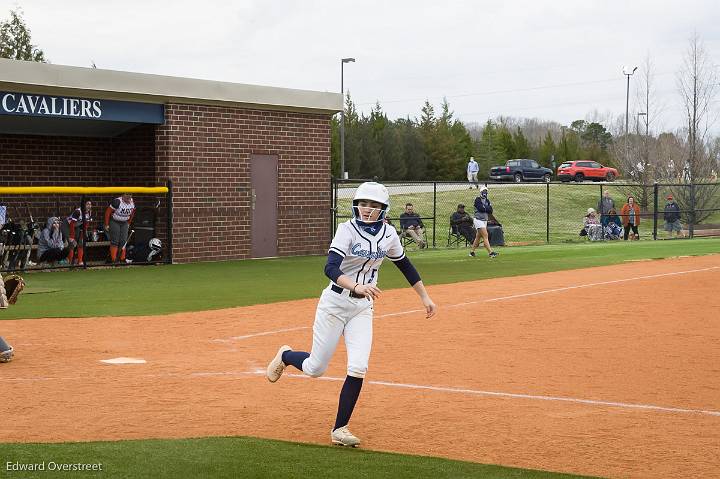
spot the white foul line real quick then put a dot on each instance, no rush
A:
(264, 333)
(489, 300)
(526, 396)
(259, 372)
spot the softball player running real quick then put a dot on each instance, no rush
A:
(346, 305)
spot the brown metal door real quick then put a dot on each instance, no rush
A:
(263, 178)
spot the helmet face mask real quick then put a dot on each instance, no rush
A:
(371, 192)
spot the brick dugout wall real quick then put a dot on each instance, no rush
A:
(206, 151)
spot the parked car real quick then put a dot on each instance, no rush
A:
(586, 170)
(521, 170)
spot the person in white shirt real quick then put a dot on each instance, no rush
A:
(472, 172)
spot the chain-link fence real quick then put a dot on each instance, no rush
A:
(537, 213)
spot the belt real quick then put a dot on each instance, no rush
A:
(339, 290)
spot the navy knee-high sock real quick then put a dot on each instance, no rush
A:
(348, 397)
(295, 358)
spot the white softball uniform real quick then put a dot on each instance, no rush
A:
(338, 313)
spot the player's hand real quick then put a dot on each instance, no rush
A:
(430, 308)
(370, 291)
(107, 227)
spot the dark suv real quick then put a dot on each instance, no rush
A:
(521, 170)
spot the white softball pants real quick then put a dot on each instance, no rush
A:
(337, 315)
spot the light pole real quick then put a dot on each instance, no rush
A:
(342, 115)
(627, 96)
(627, 105)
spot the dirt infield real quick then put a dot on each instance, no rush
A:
(609, 371)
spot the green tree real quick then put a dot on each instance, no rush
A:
(569, 147)
(490, 152)
(353, 139)
(413, 149)
(393, 157)
(15, 40)
(522, 146)
(506, 145)
(546, 151)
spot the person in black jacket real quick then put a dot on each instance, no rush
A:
(483, 208)
(672, 217)
(462, 223)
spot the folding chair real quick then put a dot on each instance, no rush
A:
(406, 239)
(454, 237)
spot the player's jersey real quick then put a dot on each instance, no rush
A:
(76, 217)
(122, 211)
(364, 252)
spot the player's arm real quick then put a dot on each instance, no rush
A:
(413, 277)
(332, 271)
(108, 212)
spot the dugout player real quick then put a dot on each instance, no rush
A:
(346, 305)
(118, 216)
(75, 226)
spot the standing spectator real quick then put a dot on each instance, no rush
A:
(51, 245)
(612, 225)
(472, 172)
(75, 227)
(483, 208)
(605, 204)
(462, 223)
(672, 217)
(412, 225)
(118, 216)
(631, 218)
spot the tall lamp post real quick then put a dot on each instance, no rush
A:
(342, 115)
(627, 106)
(627, 95)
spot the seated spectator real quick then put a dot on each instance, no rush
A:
(612, 226)
(462, 223)
(51, 245)
(672, 217)
(412, 226)
(592, 227)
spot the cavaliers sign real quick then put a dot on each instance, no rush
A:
(28, 104)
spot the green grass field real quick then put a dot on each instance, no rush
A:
(202, 286)
(222, 457)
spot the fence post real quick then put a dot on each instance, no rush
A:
(655, 209)
(333, 206)
(83, 229)
(169, 201)
(691, 226)
(434, 210)
(547, 212)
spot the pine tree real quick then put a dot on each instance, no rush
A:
(15, 40)
(547, 150)
(522, 147)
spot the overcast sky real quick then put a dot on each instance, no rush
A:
(554, 60)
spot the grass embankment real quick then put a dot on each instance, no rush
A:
(522, 209)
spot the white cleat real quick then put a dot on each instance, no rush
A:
(343, 437)
(277, 366)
